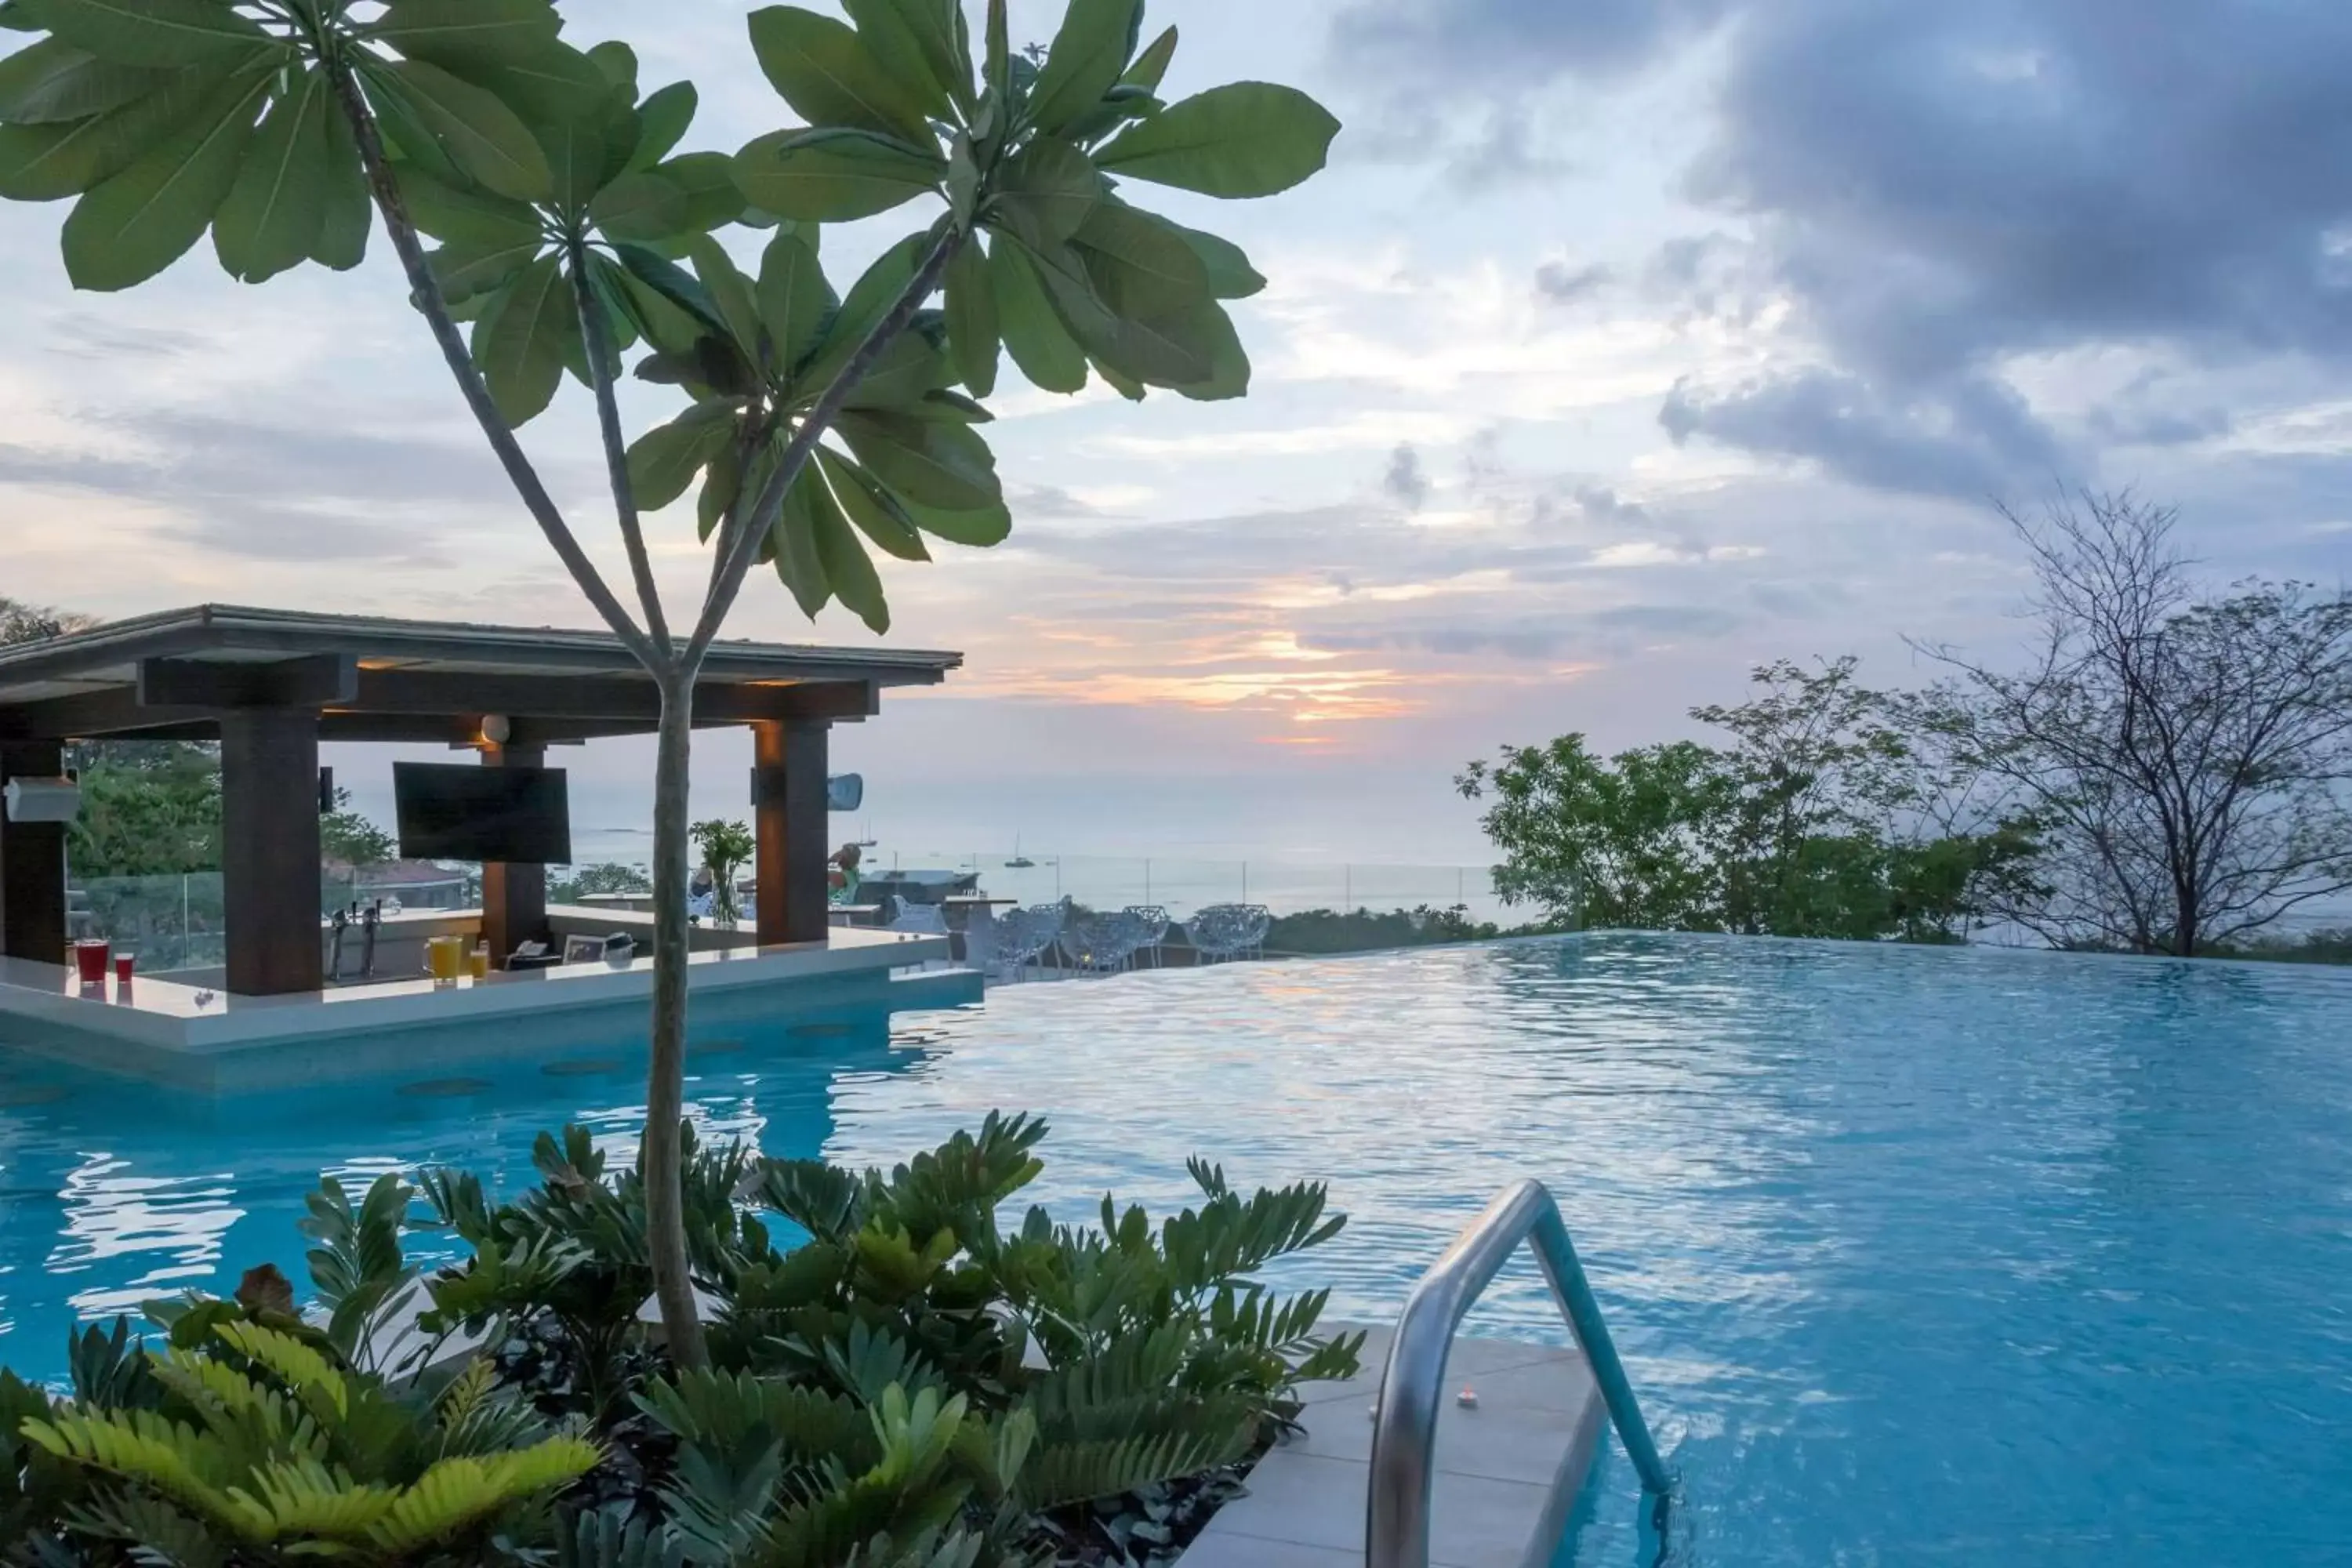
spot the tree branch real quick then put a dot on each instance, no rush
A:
(600, 353)
(736, 554)
(426, 293)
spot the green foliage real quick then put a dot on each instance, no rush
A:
(725, 847)
(246, 1438)
(352, 837)
(148, 809)
(1365, 930)
(609, 877)
(907, 1386)
(1824, 818)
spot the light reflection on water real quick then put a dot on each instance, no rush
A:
(1916, 1256)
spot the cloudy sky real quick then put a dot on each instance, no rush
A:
(1625, 344)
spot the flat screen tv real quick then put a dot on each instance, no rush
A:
(516, 816)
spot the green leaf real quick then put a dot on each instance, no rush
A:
(663, 461)
(460, 33)
(664, 280)
(1229, 368)
(1140, 265)
(465, 268)
(997, 43)
(575, 159)
(662, 120)
(461, 214)
(406, 135)
(972, 335)
(877, 513)
(618, 62)
(639, 206)
(53, 82)
(979, 526)
(795, 300)
(1126, 386)
(145, 218)
(720, 485)
(825, 72)
(269, 220)
(164, 33)
(846, 566)
(869, 300)
(706, 181)
(917, 42)
(792, 541)
(482, 135)
(519, 340)
(1246, 139)
(1033, 334)
(43, 162)
(346, 206)
(731, 292)
(1151, 65)
(925, 461)
(1231, 276)
(834, 176)
(1088, 54)
(549, 87)
(912, 364)
(1045, 193)
(1155, 352)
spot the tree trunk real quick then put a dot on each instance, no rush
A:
(664, 1077)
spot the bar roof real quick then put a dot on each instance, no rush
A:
(415, 668)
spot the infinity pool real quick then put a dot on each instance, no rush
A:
(1917, 1255)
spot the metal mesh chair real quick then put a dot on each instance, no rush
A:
(1023, 935)
(1152, 924)
(1102, 942)
(1223, 932)
(929, 920)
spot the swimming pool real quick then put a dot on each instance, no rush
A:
(1917, 1255)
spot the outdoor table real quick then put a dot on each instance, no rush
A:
(853, 914)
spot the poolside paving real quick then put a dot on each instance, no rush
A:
(1509, 1470)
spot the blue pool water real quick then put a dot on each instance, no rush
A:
(1918, 1255)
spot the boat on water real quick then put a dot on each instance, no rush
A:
(1019, 862)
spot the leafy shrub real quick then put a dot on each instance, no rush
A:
(908, 1387)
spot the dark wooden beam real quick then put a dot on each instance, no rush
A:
(514, 897)
(788, 798)
(408, 705)
(314, 680)
(269, 850)
(32, 865)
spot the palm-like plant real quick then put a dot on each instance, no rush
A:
(242, 1443)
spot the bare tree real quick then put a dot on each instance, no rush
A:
(2185, 760)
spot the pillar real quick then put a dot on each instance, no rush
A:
(514, 897)
(32, 864)
(788, 773)
(270, 872)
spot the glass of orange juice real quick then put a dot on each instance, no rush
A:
(478, 962)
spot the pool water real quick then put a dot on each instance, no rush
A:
(1917, 1255)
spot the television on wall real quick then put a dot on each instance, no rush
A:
(516, 816)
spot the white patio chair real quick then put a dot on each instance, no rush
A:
(1023, 935)
(927, 919)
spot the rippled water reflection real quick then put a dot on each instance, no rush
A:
(1917, 1255)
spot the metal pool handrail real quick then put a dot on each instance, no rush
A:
(1404, 1433)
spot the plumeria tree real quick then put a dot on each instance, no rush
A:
(545, 222)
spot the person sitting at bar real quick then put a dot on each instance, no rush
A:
(701, 893)
(841, 877)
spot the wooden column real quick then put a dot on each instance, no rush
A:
(32, 864)
(788, 770)
(270, 875)
(514, 897)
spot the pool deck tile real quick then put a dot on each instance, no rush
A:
(1509, 1471)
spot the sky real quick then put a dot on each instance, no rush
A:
(1623, 345)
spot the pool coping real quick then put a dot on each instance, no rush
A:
(1509, 1474)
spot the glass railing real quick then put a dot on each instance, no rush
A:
(1181, 885)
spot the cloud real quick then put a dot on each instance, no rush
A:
(1969, 439)
(1504, 42)
(1405, 481)
(1563, 285)
(1931, 200)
